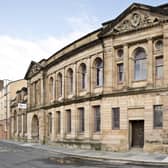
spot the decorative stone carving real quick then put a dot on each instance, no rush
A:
(134, 21)
(34, 69)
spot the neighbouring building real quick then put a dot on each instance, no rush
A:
(107, 90)
(7, 93)
(18, 115)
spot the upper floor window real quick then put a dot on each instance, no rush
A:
(99, 72)
(120, 53)
(140, 66)
(51, 88)
(159, 67)
(159, 44)
(82, 73)
(70, 81)
(120, 72)
(59, 84)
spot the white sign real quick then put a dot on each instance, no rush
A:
(22, 105)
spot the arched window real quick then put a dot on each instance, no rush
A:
(98, 66)
(49, 123)
(82, 74)
(35, 127)
(51, 88)
(59, 84)
(70, 81)
(140, 69)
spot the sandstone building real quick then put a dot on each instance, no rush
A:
(18, 115)
(107, 90)
(7, 93)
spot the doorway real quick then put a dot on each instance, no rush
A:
(137, 133)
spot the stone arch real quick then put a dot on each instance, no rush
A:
(98, 71)
(82, 76)
(35, 128)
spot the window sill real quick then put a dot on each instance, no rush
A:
(136, 81)
(157, 128)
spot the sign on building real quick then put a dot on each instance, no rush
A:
(22, 105)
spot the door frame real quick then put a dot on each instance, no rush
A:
(130, 132)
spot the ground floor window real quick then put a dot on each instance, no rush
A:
(58, 118)
(158, 116)
(81, 120)
(68, 117)
(116, 118)
(97, 119)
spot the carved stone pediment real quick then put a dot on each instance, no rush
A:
(134, 20)
(33, 69)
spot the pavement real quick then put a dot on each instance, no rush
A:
(131, 157)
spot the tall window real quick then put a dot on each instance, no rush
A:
(159, 67)
(120, 72)
(37, 92)
(115, 118)
(51, 88)
(97, 119)
(59, 85)
(82, 73)
(99, 72)
(15, 121)
(140, 69)
(81, 120)
(68, 114)
(49, 123)
(70, 81)
(158, 116)
(58, 115)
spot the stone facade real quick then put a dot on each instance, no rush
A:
(107, 90)
(18, 115)
(8, 93)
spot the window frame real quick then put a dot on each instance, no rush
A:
(120, 72)
(140, 64)
(81, 112)
(158, 66)
(97, 119)
(115, 111)
(155, 126)
(68, 121)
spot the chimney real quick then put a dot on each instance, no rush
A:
(1, 84)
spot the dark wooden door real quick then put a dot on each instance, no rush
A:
(138, 133)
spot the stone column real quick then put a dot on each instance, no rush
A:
(88, 121)
(63, 122)
(126, 66)
(74, 120)
(114, 76)
(165, 53)
(108, 65)
(150, 69)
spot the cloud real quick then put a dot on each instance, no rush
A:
(16, 54)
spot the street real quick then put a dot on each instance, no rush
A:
(15, 156)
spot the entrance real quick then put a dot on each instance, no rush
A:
(137, 133)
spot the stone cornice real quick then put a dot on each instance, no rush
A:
(75, 100)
